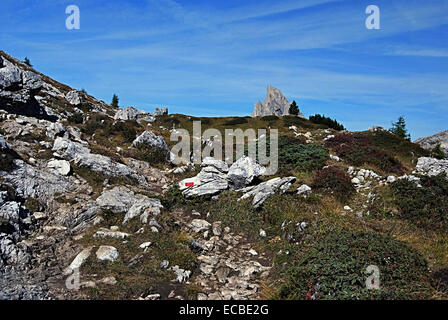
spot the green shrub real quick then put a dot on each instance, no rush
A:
(270, 118)
(94, 123)
(437, 152)
(322, 119)
(125, 129)
(27, 62)
(238, 215)
(76, 118)
(34, 205)
(7, 158)
(334, 268)
(294, 155)
(235, 121)
(170, 121)
(172, 198)
(152, 155)
(440, 280)
(310, 157)
(426, 206)
(334, 180)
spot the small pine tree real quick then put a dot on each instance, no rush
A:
(294, 109)
(27, 62)
(437, 152)
(115, 101)
(399, 128)
(83, 91)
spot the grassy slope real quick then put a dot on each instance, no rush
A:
(278, 209)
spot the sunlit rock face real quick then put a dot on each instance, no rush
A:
(274, 104)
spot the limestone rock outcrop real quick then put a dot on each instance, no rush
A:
(211, 180)
(431, 166)
(150, 139)
(262, 191)
(431, 142)
(80, 155)
(243, 172)
(128, 113)
(274, 104)
(122, 200)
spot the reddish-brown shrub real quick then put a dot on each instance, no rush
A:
(335, 180)
(358, 150)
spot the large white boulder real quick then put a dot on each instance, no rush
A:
(31, 80)
(129, 113)
(262, 191)
(243, 172)
(74, 97)
(150, 139)
(9, 76)
(212, 179)
(80, 155)
(122, 200)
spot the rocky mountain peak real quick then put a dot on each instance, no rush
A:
(429, 143)
(275, 103)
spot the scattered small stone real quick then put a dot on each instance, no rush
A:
(199, 225)
(253, 252)
(106, 233)
(87, 284)
(391, 179)
(196, 245)
(154, 296)
(154, 229)
(109, 281)
(181, 274)
(335, 158)
(302, 226)
(107, 253)
(216, 228)
(40, 215)
(145, 245)
(304, 190)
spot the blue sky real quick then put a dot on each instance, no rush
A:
(215, 58)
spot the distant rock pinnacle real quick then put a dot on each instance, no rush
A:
(274, 104)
